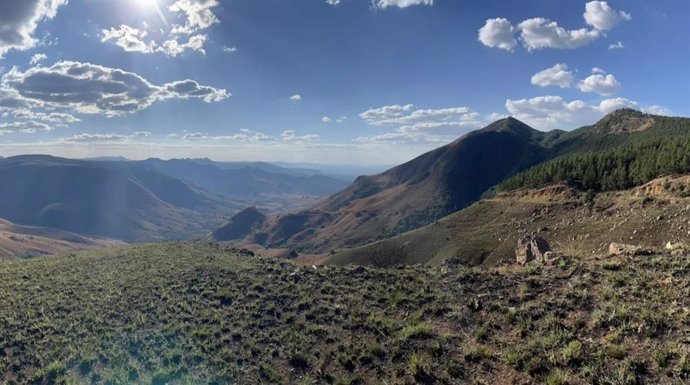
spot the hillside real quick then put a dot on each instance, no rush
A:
(182, 314)
(572, 221)
(453, 177)
(110, 200)
(410, 195)
(27, 241)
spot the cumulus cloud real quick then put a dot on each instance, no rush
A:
(333, 2)
(551, 112)
(131, 39)
(93, 89)
(105, 138)
(540, 33)
(419, 125)
(326, 119)
(383, 4)
(600, 83)
(227, 49)
(25, 127)
(37, 58)
(498, 33)
(174, 48)
(558, 75)
(128, 38)
(296, 98)
(291, 136)
(601, 16)
(19, 20)
(199, 15)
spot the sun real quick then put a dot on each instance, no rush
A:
(146, 3)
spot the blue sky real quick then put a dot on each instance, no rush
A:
(349, 81)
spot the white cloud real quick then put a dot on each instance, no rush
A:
(296, 98)
(333, 2)
(341, 119)
(551, 112)
(558, 75)
(601, 16)
(326, 119)
(539, 33)
(128, 38)
(25, 127)
(291, 136)
(227, 49)
(657, 110)
(199, 15)
(58, 118)
(420, 125)
(617, 45)
(600, 83)
(173, 48)
(93, 89)
(19, 19)
(498, 33)
(105, 138)
(131, 39)
(244, 136)
(37, 58)
(383, 4)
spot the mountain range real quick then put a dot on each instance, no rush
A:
(442, 182)
(151, 200)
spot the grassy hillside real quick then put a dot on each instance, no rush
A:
(573, 221)
(190, 314)
(28, 241)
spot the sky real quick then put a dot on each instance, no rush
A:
(366, 82)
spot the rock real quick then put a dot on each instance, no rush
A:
(531, 248)
(623, 249)
(671, 246)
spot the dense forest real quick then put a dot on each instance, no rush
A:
(620, 167)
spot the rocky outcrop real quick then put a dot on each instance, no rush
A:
(532, 248)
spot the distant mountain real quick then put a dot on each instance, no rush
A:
(261, 184)
(448, 179)
(118, 200)
(28, 241)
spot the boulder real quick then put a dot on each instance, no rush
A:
(532, 248)
(623, 249)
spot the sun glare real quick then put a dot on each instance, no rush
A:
(146, 3)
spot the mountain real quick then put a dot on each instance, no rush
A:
(240, 225)
(449, 179)
(117, 200)
(487, 232)
(270, 187)
(28, 241)
(632, 186)
(410, 195)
